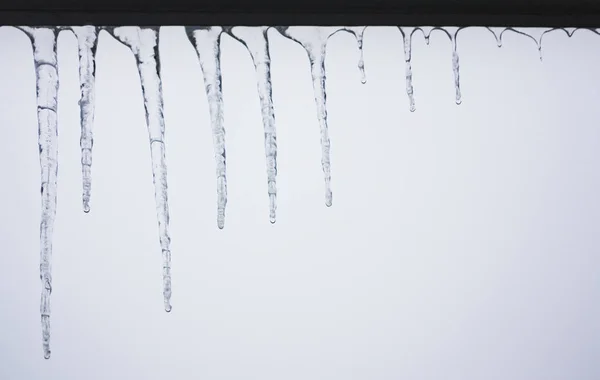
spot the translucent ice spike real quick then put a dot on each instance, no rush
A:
(256, 41)
(456, 69)
(407, 37)
(143, 42)
(358, 33)
(87, 39)
(46, 70)
(314, 41)
(535, 34)
(207, 41)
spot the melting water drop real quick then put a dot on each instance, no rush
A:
(257, 42)
(144, 45)
(46, 71)
(207, 41)
(87, 40)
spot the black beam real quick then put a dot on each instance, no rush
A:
(525, 13)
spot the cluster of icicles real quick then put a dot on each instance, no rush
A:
(143, 42)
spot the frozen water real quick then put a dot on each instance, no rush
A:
(87, 40)
(257, 42)
(143, 42)
(46, 69)
(207, 41)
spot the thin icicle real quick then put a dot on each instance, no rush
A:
(407, 37)
(144, 45)
(358, 33)
(46, 70)
(314, 41)
(207, 41)
(257, 42)
(456, 69)
(529, 33)
(87, 39)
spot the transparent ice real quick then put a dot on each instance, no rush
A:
(207, 41)
(143, 42)
(87, 40)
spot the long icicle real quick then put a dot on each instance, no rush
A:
(207, 41)
(314, 41)
(46, 70)
(144, 45)
(407, 37)
(257, 42)
(87, 39)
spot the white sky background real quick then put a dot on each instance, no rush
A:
(462, 242)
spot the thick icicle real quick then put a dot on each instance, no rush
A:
(257, 42)
(46, 70)
(87, 39)
(314, 41)
(207, 41)
(407, 37)
(144, 45)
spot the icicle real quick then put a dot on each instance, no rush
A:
(87, 39)
(144, 45)
(46, 70)
(257, 42)
(537, 41)
(207, 41)
(407, 37)
(456, 68)
(426, 30)
(314, 41)
(358, 32)
(497, 32)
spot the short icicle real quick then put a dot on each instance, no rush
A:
(256, 41)
(143, 42)
(46, 70)
(452, 33)
(314, 41)
(407, 37)
(87, 40)
(207, 41)
(456, 69)
(358, 32)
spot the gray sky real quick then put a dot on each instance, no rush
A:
(462, 242)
